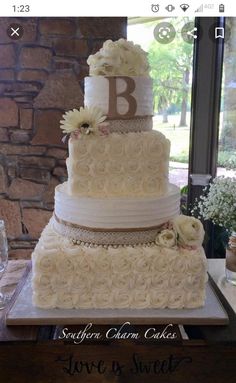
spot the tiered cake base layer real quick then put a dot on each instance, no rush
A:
(66, 275)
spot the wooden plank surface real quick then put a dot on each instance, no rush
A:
(121, 362)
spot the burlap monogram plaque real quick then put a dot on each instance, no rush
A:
(114, 94)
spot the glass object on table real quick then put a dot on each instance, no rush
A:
(231, 260)
(3, 260)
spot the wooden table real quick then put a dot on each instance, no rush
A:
(35, 354)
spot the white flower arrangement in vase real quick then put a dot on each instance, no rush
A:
(218, 204)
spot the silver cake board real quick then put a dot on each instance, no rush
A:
(24, 313)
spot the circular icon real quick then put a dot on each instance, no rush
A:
(218, 33)
(190, 33)
(15, 31)
(155, 8)
(164, 33)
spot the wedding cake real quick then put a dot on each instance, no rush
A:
(116, 238)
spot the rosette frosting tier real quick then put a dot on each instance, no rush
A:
(78, 276)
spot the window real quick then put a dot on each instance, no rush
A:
(171, 71)
(226, 162)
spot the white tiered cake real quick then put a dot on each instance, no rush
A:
(116, 239)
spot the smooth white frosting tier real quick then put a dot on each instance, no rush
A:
(96, 93)
(116, 212)
(76, 276)
(132, 164)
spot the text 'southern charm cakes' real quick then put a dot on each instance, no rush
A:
(116, 239)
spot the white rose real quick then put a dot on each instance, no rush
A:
(45, 299)
(64, 300)
(81, 148)
(151, 167)
(84, 264)
(154, 148)
(132, 166)
(42, 281)
(133, 185)
(73, 253)
(142, 280)
(98, 147)
(161, 262)
(82, 168)
(96, 186)
(120, 298)
(177, 280)
(61, 282)
(116, 148)
(114, 167)
(197, 264)
(81, 281)
(181, 262)
(160, 280)
(114, 185)
(120, 263)
(189, 229)
(98, 169)
(80, 186)
(140, 299)
(134, 146)
(102, 282)
(194, 281)
(166, 238)
(82, 300)
(153, 185)
(102, 300)
(46, 261)
(195, 298)
(120, 281)
(142, 263)
(102, 262)
(176, 299)
(158, 298)
(65, 265)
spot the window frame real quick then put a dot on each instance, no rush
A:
(205, 113)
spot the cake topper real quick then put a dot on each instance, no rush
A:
(119, 58)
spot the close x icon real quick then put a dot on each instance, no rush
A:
(15, 31)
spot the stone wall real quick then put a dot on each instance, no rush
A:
(41, 76)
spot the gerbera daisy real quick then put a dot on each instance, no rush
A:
(85, 120)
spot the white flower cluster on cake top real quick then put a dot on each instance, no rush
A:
(119, 58)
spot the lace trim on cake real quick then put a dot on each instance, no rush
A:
(107, 237)
(139, 124)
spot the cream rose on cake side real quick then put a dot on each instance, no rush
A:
(166, 238)
(189, 231)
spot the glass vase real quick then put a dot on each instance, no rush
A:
(230, 263)
(3, 260)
